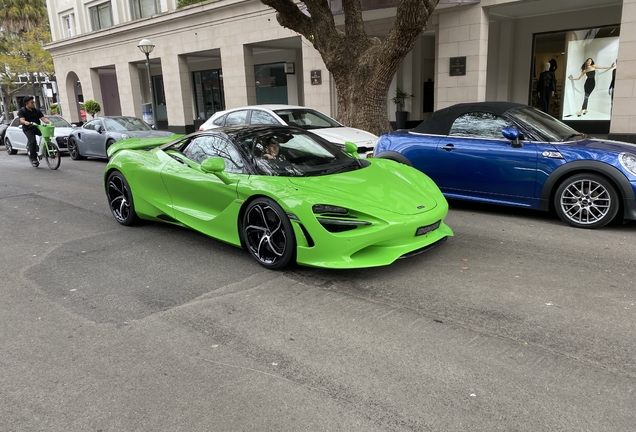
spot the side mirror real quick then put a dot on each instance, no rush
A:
(216, 166)
(73, 126)
(351, 148)
(99, 128)
(513, 135)
(153, 127)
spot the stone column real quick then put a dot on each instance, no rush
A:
(178, 90)
(623, 124)
(129, 89)
(238, 75)
(462, 34)
(316, 96)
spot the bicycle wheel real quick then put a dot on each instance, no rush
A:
(52, 155)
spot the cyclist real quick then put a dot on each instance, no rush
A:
(28, 115)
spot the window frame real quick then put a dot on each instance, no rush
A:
(93, 13)
(136, 11)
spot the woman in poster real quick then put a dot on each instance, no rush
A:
(589, 70)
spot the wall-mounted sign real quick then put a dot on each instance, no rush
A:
(457, 66)
(289, 68)
(316, 77)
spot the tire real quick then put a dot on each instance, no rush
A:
(52, 156)
(9, 147)
(586, 201)
(109, 143)
(120, 200)
(268, 234)
(73, 149)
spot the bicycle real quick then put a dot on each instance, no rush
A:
(49, 150)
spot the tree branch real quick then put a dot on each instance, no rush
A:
(410, 21)
(291, 17)
(354, 24)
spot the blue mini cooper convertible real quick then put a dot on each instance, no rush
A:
(513, 154)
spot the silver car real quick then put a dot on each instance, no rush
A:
(94, 137)
(15, 139)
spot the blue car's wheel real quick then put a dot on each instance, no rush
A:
(268, 234)
(586, 201)
(120, 199)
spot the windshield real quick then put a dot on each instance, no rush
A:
(122, 124)
(546, 126)
(296, 154)
(306, 118)
(59, 122)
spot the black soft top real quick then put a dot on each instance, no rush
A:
(440, 122)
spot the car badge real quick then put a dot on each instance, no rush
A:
(420, 207)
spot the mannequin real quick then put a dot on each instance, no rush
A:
(546, 87)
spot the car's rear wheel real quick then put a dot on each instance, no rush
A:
(9, 147)
(73, 149)
(268, 234)
(586, 201)
(120, 199)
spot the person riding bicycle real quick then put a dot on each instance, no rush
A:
(30, 115)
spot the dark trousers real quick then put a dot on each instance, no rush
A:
(32, 143)
(544, 97)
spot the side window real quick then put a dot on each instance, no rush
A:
(16, 122)
(262, 117)
(220, 121)
(479, 125)
(208, 146)
(91, 125)
(236, 118)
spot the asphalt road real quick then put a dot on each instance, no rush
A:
(518, 323)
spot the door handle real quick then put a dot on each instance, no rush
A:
(449, 147)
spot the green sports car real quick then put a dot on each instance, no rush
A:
(282, 193)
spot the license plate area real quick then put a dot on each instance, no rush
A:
(427, 229)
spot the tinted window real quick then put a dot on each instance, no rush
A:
(548, 128)
(262, 117)
(91, 125)
(479, 125)
(306, 118)
(15, 122)
(122, 124)
(59, 121)
(220, 121)
(236, 118)
(204, 147)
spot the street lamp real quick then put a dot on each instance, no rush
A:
(146, 47)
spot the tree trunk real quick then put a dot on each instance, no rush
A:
(362, 67)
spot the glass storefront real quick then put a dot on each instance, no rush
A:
(271, 83)
(208, 88)
(579, 66)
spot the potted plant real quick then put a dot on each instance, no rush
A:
(401, 116)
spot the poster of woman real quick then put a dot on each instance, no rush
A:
(589, 76)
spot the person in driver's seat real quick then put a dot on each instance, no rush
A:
(272, 151)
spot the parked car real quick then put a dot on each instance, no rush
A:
(309, 202)
(94, 137)
(302, 117)
(3, 128)
(15, 139)
(513, 154)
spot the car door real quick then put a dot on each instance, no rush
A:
(476, 160)
(96, 138)
(200, 199)
(86, 136)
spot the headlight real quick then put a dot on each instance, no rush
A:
(124, 136)
(628, 161)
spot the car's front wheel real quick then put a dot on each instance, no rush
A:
(268, 234)
(120, 199)
(73, 149)
(586, 201)
(9, 147)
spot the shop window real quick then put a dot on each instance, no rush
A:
(101, 16)
(584, 89)
(271, 83)
(208, 88)
(144, 8)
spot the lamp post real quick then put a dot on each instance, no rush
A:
(146, 47)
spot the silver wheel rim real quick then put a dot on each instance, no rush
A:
(264, 234)
(585, 202)
(7, 144)
(119, 198)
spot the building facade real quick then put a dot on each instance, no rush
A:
(230, 53)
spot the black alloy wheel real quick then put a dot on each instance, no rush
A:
(9, 147)
(120, 199)
(73, 149)
(268, 234)
(586, 201)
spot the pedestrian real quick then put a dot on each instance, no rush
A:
(30, 115)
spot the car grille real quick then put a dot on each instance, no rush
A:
(61, 141)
